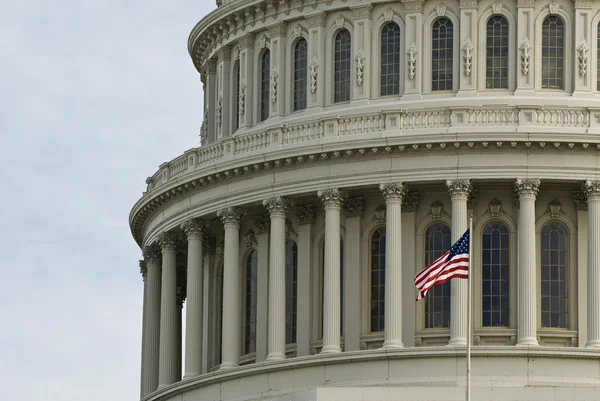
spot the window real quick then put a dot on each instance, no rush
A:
(495, 275)
(390, 60)
(341, 90)
(236, 100)
(251, 300)
(554, 275)
(437, 302)
(291, 291)
(496, 58)
(553, 49)
(442, 55)
(265, 76)
(341, 285)
(378, 280)
(300, 71)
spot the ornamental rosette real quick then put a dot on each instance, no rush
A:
(152, 253)
(527, 187)
(591, 189)
(353, 207)
(231, 216)
(306, 214)
(332, 197)
(277, 206)
(460, 187)
(393, 192)
(168, 240)
(194, 228)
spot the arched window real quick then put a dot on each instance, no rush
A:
(291, 291)
(341, 284)
(495, 275)
(341, 87)
(553, 50)
(236, 100)
(554, 275)
(300, 73)
(496, 57)
(442, 58)
(378, 280)
(251, 264)
(437, 303)
(265, 76)
(390, 60)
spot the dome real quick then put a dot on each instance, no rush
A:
(345, 146)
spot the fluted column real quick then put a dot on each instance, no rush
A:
(277, 208)
(393, 194)
(459, 194)
(194, 231)
(332, 201)
(167, 372)
(179, 352)
(592, 189)
(151, 323)
(232, 322)
(527, 295)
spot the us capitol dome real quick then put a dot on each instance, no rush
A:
(344, 145)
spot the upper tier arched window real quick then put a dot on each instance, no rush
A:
(496, 59)
(495, 268)
(442, 47)
(390, 60)
(341, 90)
(291, 291)
(437, 302)
(554, 265)
(377, 296)
(553, 50)
(251, 267)
(300, 74)
(265, 73)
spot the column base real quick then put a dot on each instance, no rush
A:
(528, 342)
(457, 342)
(228, 365)
(393, 344)
(331, 349)
(275, 356)
(593, 344)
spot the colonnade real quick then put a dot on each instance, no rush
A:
(161, 349)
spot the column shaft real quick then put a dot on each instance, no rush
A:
(144, 374)
(151, 345)
(306, 218)
(593, 279)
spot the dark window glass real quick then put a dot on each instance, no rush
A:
(265, 76)
(251, 300)
(554, 276)
(442, 55)
(341, 90)
(553, 48)
(390, 60)
(495, 270)
(300, 73)
(437, 302)
(291, 291)
(378, 280)
(237, 98)
(496, 57)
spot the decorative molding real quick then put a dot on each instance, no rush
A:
(495, 208)
(274, 84)
(525, 49)
(194, 228)
(360, 66)
(553, 7)
(242, 98)
(591, 188)
(582, 58)
(468, 57)
(554, 208)
(277, 206)
(468, 4)
(262, 223)
(496, 7)
(393, 192)
(410, 202)
(314, 68)
(264, 42)
(412, 60)
(525, 3)
(472, 199)
(362, 11)
(317, 19)
(168, 240)
(289, 229)
(298, 31)
(332, 197)
(152, 253)
(413, 5)
(219, 110)
(299, 4)
(580, 200)
(231, 216)
(527, 186)
(441, 10)
(354, 207)
(339, 22)
(143, 269)
(388, 15)
(250, 239)
(306, 214)
(436, 210)
(380, 213)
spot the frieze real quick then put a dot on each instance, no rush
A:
(317, 19)
(413, 5)
(362, 11)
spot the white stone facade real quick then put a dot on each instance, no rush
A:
(294, 232)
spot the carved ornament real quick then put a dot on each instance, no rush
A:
(393, 192)
(592, 189)
(250, 239)
(332, 197)
(495, 208)
(262, 223)
(353, 207)
(143, 269)
(410, 202)
(467, 57)
(306, 214)
(277, 206)
(152, 253)
(580, 200)
(274, 84)
(231, 216)
(194, 228)
(436, 209)
(525, 50)
(554, 208)
(314, 68)
(209, 245)
(168, 240)
(380, 213)
(460, 187)
(527, 187)
(582, 58)
(360, 67)
(412, 60)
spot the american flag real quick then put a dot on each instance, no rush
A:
(454, 263)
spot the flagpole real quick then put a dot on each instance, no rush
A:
(469, 324)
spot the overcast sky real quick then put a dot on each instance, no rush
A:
(94, 95)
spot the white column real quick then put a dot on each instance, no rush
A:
(194, 230)
(332, 201)
(143, 378)
(393, 194)
(306, 218)
(232, 308)
(527, 278)
(167, 372)
(459, 193)
(353, 211)
(262, 226)
(277, 208)
(592, 189)
(179, 349)
(151, 328)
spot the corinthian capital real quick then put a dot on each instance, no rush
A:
(591, 188)
(306, 214)
(459, 188)
(393, 192)
(152, 253)
(194, 228)
(277, 206)
(231, 216)
(168, 240)
(527, 187)
(332, 197)
(143, 269)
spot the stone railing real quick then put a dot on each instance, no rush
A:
(386, 124)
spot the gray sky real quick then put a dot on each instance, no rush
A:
(94, 95)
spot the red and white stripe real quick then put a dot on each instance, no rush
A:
(440, 271)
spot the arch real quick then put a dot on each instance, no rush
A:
(512, 50)
(376, 31)
(333, 30)
(568, 61)
(427, 50)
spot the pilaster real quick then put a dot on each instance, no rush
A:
(413, 45)
(361, 43)
(210, 113)
(223, 112)
(262, 226)
(353, 211)
(316, 59)
(151, 325)
(580, 200)
(208, 250)
(247, 62)
(305, 215)
(583, 43)
(468, 47)
(277, 34)
(592, 190)
(525, 45)
(410, 205)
